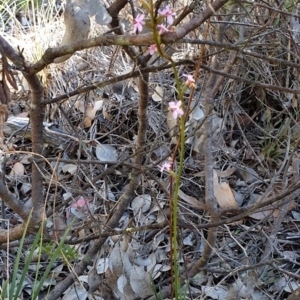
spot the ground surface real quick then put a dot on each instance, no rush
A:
(255, 159)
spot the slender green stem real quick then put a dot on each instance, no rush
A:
(180, 90)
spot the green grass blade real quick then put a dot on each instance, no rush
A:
(4, 288)
(17, 262)
(56, 253)
(28, 261)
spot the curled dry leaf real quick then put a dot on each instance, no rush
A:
(172, 123)
(70, 168)
(87, 122)
(25, 159)
(192, 201)
(80, 105)
(7, 77)
(59, 226)
(78, 26)
(158, 94)
(89, 109)
(17, 170)
(3, 116)
(223, 193)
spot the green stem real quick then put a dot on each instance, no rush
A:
(177, 184)
(180, 90)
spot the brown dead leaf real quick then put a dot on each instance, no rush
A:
(3, 116)
(295, 295)
(4, 93)
(78, 26)
(192, 201)
(171, 122)
(7, 77)
(228, 172)
(92, 109)
(79, 104)
(223, 193)
(87, 122)
(59, 226)
(17, 170)
(158, 94)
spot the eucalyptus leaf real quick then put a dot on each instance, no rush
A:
(106, 152)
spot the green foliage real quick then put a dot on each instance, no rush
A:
(290, 5)
(8, 9)
(273, 148)
(19, 4)
(68, 252)
(157, 294)
(12, 288)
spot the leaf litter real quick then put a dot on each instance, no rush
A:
(251, 148)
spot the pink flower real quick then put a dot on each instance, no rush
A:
(176, 109)
(81, 205)
(152, 49)
(190, 81)
(162, 29)
(138, 23)
(166, 166)
(167, 12)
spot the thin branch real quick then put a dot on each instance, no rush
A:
(122, 204)
(212, 87)
(101, 84)
(12, 202)
(126, 40)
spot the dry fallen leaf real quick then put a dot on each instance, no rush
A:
(78, 26)
(158, 94)
(141, 203)
(17, 170)
(70, 168)
(87, 122)
(59, 226)
(191, 201)
(105, 152)
(92, 109)
(223, 193)
(171, 122)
